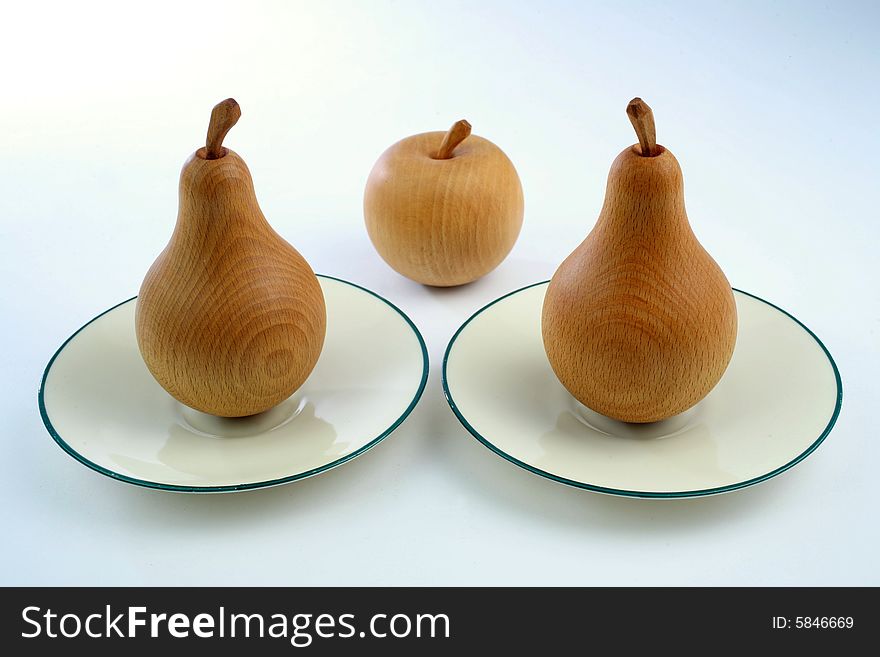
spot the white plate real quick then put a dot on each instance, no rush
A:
(102, 406)
(778, 399)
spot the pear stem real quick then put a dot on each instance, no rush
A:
(456, 134)
(642, 118)
(224, 115)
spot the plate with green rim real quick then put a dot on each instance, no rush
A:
(103, 407)
(775, 404)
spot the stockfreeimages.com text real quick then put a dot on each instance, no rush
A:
(299, 629)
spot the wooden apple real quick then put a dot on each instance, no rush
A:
(443, 209)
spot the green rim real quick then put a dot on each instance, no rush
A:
(235, 487)
(636, 493)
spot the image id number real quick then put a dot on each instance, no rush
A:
(813, 622)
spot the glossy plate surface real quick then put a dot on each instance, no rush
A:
(102, 406)
(777, 401)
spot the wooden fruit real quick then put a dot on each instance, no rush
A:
(639, 322)
(443, 208)
(230, 318)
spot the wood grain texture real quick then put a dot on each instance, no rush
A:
(639, 322)
(230, 318)
(443, 222)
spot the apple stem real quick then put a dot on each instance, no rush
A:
(642, 118)
(456, 134)
(224, 115)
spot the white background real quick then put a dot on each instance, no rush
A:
(770, 108)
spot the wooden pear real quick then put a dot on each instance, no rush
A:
(639, 322)
(230, 318)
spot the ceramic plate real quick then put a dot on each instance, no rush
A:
(102, 406)
(778, 399)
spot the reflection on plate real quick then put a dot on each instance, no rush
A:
(777, 401)
(102, 406)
